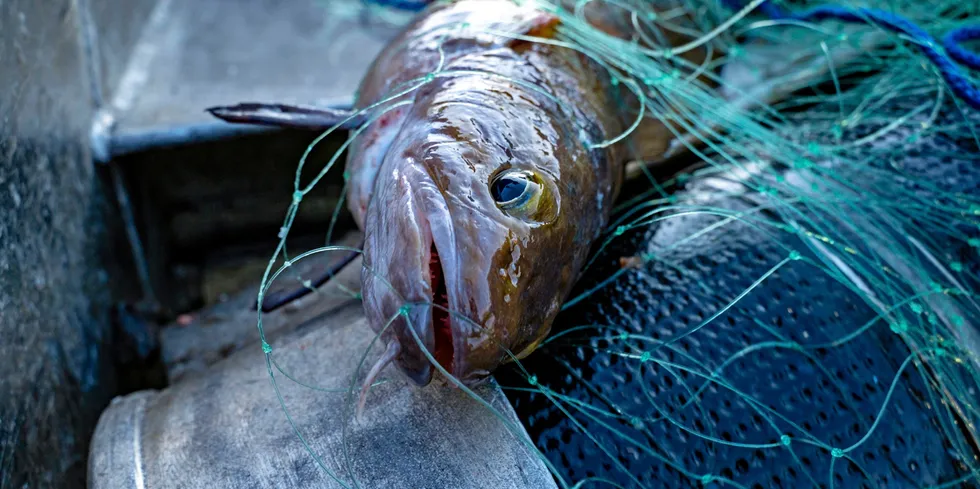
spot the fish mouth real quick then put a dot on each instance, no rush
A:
(433, 320)
(430, 315)
(410, 282)
(443, 350)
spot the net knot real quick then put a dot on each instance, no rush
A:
(899, 327)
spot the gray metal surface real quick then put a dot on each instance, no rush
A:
(194, 55)
(224, 428)
(113, 29)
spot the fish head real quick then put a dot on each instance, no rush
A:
(480, 219)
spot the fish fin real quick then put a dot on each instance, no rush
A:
(543, 26)
(292, 116)
(655, 139)
(529, 349)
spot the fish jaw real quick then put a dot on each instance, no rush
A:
(408, 250)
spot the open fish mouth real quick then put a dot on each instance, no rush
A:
(411, 252)
(435, 316)
(431, 318)
(443, 350)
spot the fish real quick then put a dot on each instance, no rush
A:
(481, 191)
(480, 194)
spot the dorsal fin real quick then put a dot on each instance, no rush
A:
(543, 26)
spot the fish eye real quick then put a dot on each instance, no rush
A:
(513, 189)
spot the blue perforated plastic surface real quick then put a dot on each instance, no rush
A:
(661, 425)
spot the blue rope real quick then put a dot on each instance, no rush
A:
(410, 5)
(952, 42)
(957, 80)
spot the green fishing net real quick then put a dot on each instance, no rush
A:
(797, 310)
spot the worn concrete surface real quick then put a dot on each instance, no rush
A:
(55, 293)
(224, 428)
(190, 199)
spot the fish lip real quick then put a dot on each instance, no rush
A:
(433, 225)
(419, 316)
(442, 238)
(419, 313)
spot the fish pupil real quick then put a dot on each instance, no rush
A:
(508, 188)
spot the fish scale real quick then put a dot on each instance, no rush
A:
(830, 394)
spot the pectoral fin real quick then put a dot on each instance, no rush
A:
(292, 116)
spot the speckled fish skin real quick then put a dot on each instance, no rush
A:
(420, 178)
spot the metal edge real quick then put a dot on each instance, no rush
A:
(115, 458)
